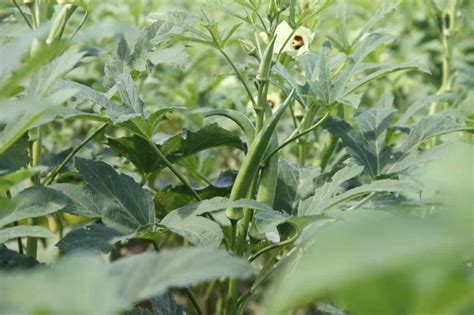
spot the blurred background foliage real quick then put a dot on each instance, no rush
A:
(437, 34)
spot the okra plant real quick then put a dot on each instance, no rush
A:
(236, 157)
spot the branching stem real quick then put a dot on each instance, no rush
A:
(50, 178)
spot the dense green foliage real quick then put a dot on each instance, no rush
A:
(236, 157)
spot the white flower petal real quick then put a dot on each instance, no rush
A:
(283, 31)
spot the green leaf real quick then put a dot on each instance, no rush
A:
(16, 156)
(239, 118)
(33, 202)
(367, 144)
(129, 93)
(267, 221)
(198, 230)
(12, 53)
(94, 237)
(382, 185)
(164, 304)
(175, 268)
(364, 245)
(146, 127)
(20, 116)
(118, 285)
(180, 146)
(382, 11)
(212, 205)
(175, 56)
(56, 295)
(322, 196)
(431, 126)
(424, 102)
(10, 260)
(11, 179)
(413, 158)
(382, 70)
(82, 201)
(373, 125)
(149, 38)
(137, 150)
(23, 231)
(170, 198)
(44, 78)
(126, 206)
(318, 204)
(294, 184)
(183, 21)
(117, 113)
(323, 87)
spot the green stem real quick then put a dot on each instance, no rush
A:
(18, 240)
(187, 291)
(267, 269)
(446, 41)
(174, 170)
(362, 202)
(50, 178)
(294, 137)
(288, 241)
(193, 300)
(81, 24)
(239, 76)
(305, 124)
(31, 242)
(23, 14)
(328, 151)
(208, 293)
(231, 304)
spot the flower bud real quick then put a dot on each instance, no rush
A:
(249, 48)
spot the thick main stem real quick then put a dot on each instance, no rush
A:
(446, 41)
(31, 242)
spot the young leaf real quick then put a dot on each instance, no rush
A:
(129, 94)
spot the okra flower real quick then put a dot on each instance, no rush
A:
(274, 101)
(299, 42)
